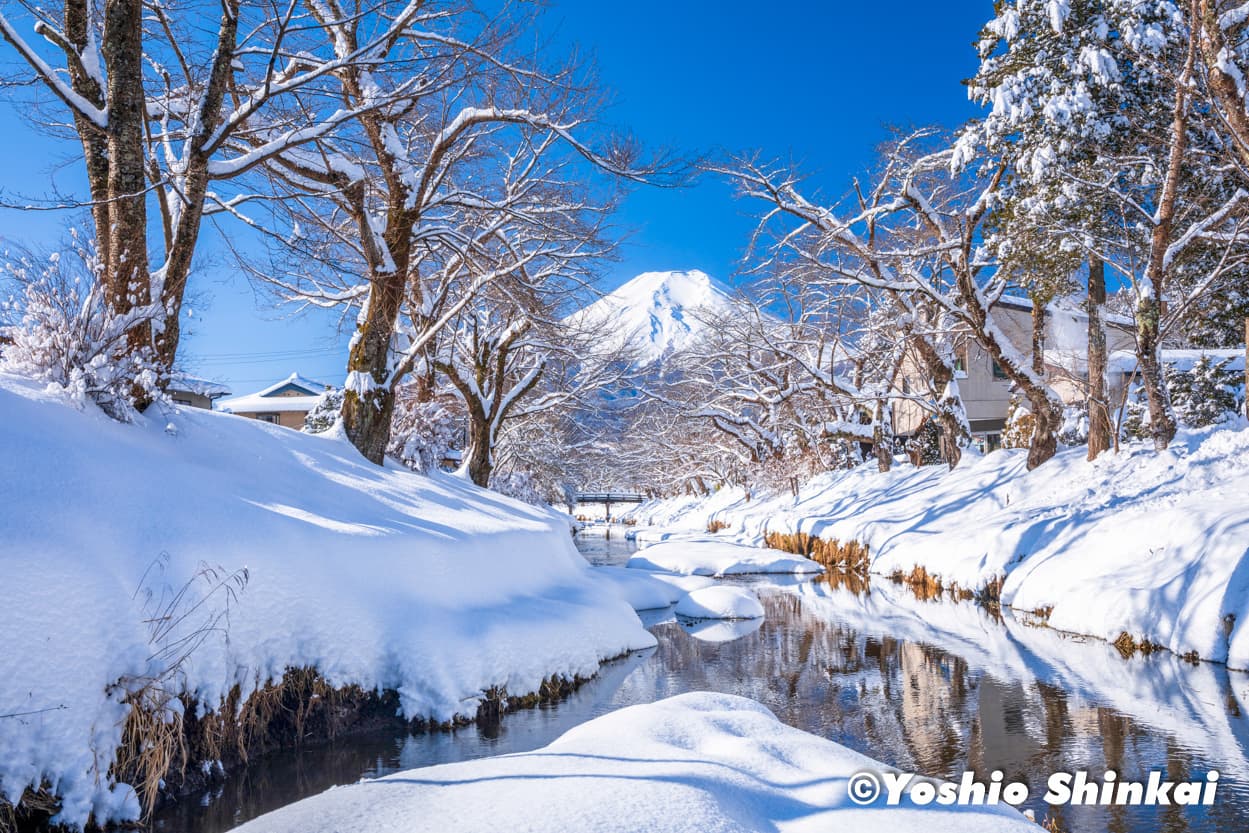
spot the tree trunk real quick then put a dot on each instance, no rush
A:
(94, 140)
(882, 436)
(1098, 407)
(949, 404)
(1148, 341)
(1047, 419)
(177, 266)
(126, 268)
(1038, 335)
(1224, 88)
(1149, 308)
(478, 461)
(369, 401)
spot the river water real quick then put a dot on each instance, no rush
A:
(933, 686)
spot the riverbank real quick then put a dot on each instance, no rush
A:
(172, 573)
(929, 685)
(1149, 550)
(699, 761)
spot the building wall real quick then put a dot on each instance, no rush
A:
(287, 419)
(190, 400)
(986, 396)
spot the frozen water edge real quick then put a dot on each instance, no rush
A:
(695, 762)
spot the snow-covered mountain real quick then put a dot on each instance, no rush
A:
(658, 313)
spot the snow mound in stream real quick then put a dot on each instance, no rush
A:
(696, 763)
(379, 577)
(719, 558)
(721, 602)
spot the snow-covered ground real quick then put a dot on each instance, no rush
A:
(378, 577)
(696, 763)
(696, 556)
(1155, 545)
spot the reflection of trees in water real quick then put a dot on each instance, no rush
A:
(920, 707)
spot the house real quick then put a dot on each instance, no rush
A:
(284, 403)
(193, 392)
(984, 386)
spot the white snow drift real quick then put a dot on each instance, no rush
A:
(1155, 545)
(697, 763)
(723, 602)
(379, 577)
(718, 558)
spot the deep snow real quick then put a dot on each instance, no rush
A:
(699, 557)
(722, 602)
(1155, 545)
(695, 763)
(378, 577)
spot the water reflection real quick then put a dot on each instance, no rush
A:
(936, 686)
(710, 630)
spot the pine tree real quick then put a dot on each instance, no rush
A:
(324, 415)
(1206, 394)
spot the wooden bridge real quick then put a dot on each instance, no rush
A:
(609, 498)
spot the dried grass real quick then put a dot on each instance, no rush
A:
(851, 555)
(32, 811)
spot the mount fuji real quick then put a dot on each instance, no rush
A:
(658, 313)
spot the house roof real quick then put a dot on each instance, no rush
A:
(194, 384)
(1124, 361)
(276, 398)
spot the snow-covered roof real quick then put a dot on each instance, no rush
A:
(1071, 306)
(1124, 361)
(277, 397)
(194, 384)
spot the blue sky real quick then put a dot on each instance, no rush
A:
(818, 82)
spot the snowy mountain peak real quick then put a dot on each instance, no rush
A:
(659, 313)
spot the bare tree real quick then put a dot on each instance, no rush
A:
(160, 123)
(395, 213)
(915, 238)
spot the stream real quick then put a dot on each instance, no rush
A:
(933, 686)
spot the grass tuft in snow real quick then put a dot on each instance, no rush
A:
(851, 555)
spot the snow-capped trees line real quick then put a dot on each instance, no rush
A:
(1111, 155)
(396, 157)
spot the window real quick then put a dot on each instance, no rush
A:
(960, 363)
(272, 419)
(906, 385)
(186, 402)
(998, 372)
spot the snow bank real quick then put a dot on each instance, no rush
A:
(378, 577)
(720, 603)
(718, 558)
(1154, 545)
(641, 590)
(698, 762)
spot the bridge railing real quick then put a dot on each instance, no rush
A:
(610, 497)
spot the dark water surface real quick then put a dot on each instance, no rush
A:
(935, 686)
